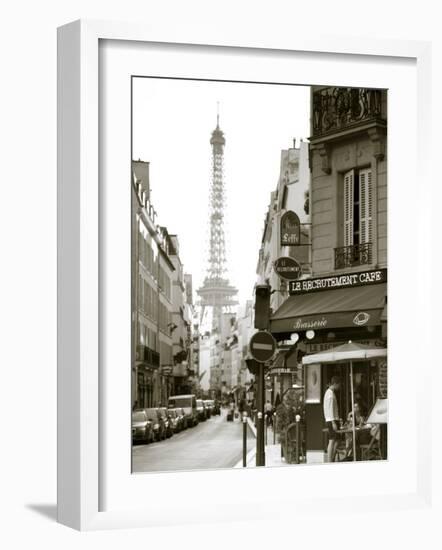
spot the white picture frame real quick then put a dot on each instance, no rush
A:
(81, 450)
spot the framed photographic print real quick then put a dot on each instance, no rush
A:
(178, 161)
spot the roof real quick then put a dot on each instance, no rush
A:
(329, 309)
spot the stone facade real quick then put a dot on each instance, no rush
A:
(356, 145)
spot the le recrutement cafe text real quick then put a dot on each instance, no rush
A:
(325, 312)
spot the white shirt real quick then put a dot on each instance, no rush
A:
(330, 406)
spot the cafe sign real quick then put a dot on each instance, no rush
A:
(290, 229)
(349, 280)
(287, 268)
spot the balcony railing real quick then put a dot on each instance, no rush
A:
(349, 256)
(149, 356)
(335, 109)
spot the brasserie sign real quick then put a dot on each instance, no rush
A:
(347, 280)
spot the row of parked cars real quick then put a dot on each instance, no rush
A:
(183, 411)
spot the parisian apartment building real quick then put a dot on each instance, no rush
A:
(161, 320)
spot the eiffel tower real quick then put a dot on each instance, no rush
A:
(216, 292)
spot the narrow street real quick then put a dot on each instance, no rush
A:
(214, 443)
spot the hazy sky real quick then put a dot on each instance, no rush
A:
(172, 126)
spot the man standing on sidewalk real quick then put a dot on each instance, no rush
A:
(268, 409)
(331, 415)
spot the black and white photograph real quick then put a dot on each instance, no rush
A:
(220, 288)
(259, 274)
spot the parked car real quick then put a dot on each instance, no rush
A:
(164, 416)
(188, 403)
(201, 409)
(175, 420)
(142, 428)
(158, 427)
(210, 405)
(182, 415)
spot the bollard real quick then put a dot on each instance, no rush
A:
(274, 428)
(244, 440)
(297, 418)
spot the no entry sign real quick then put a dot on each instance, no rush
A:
(262, 346)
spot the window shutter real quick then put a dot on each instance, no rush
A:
(348, 207)
(366, 206)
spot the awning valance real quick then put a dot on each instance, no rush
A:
(331, 309)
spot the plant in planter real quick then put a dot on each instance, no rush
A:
(286, 412)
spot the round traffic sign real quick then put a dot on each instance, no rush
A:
(262, 346)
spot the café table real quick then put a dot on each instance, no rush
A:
(364, 428)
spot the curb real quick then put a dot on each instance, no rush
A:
(249, 457)
(251, 426)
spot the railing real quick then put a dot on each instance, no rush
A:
(336, 108)
(149, 356)
(349, 256)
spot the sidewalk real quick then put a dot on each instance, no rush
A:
(272, 451)
(273, 457)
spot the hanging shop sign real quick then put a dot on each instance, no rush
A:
(287, 268)
(290, 229)
(349, 280)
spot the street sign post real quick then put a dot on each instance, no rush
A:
(262, 346)
(262, 349)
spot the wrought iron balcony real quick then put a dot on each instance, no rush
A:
(148, 356)
(349, 256)
(335, 109)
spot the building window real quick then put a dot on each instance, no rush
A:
(284, 198)
(141, 248)
(140, 293)
(358, 220)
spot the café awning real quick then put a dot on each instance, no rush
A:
(331, 309)
(344, 353)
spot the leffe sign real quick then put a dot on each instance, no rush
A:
(347, 280)
(290, 229)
